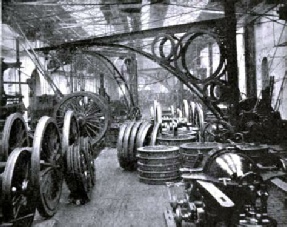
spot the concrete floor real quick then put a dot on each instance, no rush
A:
(120, 200)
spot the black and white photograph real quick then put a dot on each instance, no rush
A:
(143, 113)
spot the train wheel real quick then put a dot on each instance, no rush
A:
(15, 134)
(18, 197)
(86, 145)
(79, 174)
(47, 165)
(70, 131)
(90, 110)
(154, 134)
(144, 134)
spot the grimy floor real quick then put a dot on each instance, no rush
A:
(120, 200)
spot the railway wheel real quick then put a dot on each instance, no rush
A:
(132, 142)
(79, 174)
(124, 156)
(17, 189)
(155, 133)
(47, 166)
(86, 145)
(91, 112)
(70, 131)
(123, 161)
(144, 134)
(15, 134)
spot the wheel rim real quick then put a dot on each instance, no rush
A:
(126, 139)
(15, 134)
(47, 166)
(79, 172)
(85, 144)
(17, 189)
(120, 139)
(70, 132)
(186, 110)
(132, 142)
(143, 126)
(90, 110)
(154, 134)
(144, 135)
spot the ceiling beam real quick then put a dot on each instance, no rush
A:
(116, 38)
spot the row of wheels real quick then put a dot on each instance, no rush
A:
(132, 135)
(32, 174)
(192, 113)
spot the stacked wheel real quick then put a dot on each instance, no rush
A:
(80, 171)
(193, 154)
(125, 161)
(172, 140)
(132, 134)
(158, 164)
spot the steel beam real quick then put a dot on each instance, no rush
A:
(134, 35)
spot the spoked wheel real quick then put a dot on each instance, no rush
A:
(79, 174)
(18, 199)
(90, 110)
(70, 131)
(15, 134)
(47, 166)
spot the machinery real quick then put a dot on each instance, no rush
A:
(230, 190)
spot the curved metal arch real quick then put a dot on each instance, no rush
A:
(120, 76)
(183, 77)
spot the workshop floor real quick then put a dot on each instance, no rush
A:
(120, 200)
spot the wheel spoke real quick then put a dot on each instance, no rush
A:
(17, 203)
(94, 125)
(92, 130)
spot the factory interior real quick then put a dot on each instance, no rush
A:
(147, 113)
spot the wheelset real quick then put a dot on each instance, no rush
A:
(18, 195)
(47, 165)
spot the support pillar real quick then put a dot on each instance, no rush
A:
(250, 64)
(131, 64)
(232, 68)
